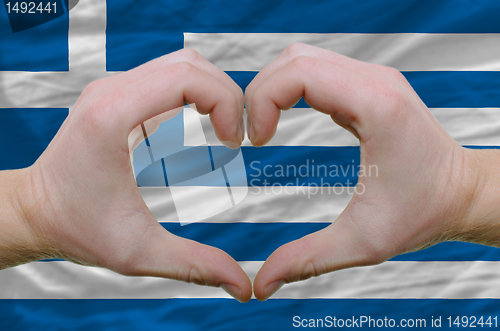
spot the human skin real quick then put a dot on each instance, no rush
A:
(80, 201)
(428, 190)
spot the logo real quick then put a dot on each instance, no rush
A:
(204, 178)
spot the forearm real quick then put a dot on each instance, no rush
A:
(481, 224)
(17, 241)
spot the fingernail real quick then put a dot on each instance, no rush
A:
(250, 129)
(230, 144)
(273, 288)
(232, 290)
(241, 130)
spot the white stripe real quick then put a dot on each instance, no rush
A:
(390, 280)
(476, 126)
(404, 51)
(87, 56)
(401, 280)
(87, 38)
(306, 127)
(263, 205)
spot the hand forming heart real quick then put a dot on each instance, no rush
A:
(80, 202)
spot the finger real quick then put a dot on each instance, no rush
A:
(298, 49)
(183, 55)
(163, 254)
(167, 89)
(335, 91)
(336, 247)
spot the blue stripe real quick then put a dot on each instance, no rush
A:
(227, 314)
(26, 132)
(256, 241)
(41, 48)
(335, 166)
(305, 160)
(138, 31)
(437, 89)
(338, 166)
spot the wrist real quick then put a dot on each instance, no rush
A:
(18, 242)
(480, 221)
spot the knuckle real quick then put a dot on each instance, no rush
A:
(191, 54)
(98, 113)
(93, 88)
(394, 74)
(194, 270)
(194, 276)
(390, 96)
(390, 99)
(310, 269)
(304, 63)
(295, 49)
(181, 69)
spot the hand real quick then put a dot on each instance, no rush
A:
(427, 185)
(80, 201)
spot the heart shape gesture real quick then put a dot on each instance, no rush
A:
(83, 202)
(425, 184)
(80, 201)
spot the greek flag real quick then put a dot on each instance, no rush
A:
(448, 50)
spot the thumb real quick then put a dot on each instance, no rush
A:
(335, 247)
(163, 254)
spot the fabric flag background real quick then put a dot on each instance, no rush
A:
(448, 50)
